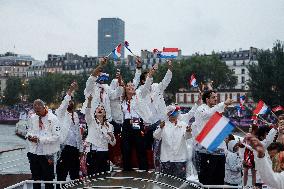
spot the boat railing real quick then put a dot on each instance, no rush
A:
(28, 184)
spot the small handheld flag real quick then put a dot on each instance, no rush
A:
(117, 51)
(168, 53)
(215, 131)
(193, 81)
(261, 108)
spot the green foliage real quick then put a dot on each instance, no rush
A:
(12, 91)
(267, 76)
(206, 68)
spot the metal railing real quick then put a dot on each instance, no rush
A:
(27, 184)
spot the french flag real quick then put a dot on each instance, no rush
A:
(117, 51)
(261, 108)
(214, 132)
(193, 81)
(169, 53)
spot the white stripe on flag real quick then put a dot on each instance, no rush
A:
(263, 109)
(169, 53)
(215, 131)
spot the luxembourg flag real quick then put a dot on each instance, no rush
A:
(117, 51)
(169, 53)
(214, 132)
(193, 81)
(261, 108)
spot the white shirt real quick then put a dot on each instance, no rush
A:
(187, 116)
(70, 132)
(156, 98)
(102, 94)
(132, 113)
(173, 147)
(97, 134)
(48, 136)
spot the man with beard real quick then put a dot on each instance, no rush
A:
(210, 166)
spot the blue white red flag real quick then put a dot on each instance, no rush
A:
(193, 81)
(261, 108)
(117, 51)
(215, 131)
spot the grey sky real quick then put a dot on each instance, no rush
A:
(39, 27)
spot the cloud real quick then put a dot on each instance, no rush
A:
(59, 26)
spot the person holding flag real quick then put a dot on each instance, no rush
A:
(100, 91)
(214, 171)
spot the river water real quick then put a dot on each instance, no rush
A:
(13, 162)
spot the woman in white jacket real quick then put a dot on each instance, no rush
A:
(100, 134)
(173, 134)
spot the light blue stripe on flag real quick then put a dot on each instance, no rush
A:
(221, 136)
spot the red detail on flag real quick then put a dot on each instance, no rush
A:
(118, 48)
(170, 49)
(208, 127)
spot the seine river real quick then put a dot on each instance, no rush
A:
(13, 161)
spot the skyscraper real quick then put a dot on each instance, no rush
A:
(110, 34)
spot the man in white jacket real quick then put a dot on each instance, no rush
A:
(71, 139)
(204, 161)
(43, 142)
(100, 92)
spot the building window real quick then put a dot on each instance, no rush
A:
(243, 79)
(243, 62)
(243, 87)
(234, 63)
(243, 71)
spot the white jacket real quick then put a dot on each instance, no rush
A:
(65, 119)
(93, 88)
(269, 177)
(187, 116)
(115, 103)
(156, 99)
(140, 102)
(51, 133)
(202, 115)
(97, 135)
(173, 147)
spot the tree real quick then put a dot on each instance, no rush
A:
(206, 68)
(267, 76)
(12, 91)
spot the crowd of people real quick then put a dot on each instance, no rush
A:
(14, 112)
(130, 126)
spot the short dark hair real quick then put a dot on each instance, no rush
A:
(206, 95)
(275, 146)
(143, 76)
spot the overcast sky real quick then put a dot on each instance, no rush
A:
(39, 27)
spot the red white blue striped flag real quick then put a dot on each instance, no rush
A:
(215, 131)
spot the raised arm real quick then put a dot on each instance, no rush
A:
(168, 77)
(269, 177)
(61, 110)
(138, 72)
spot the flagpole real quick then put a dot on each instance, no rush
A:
(274, 115)
(241, 130)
